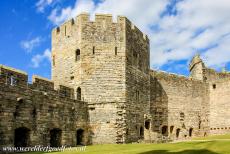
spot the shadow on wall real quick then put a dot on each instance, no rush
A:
(158, 107)
(202, 151)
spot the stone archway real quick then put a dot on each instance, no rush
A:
(80, 137)
(164, 130)
(21, 137)
(55, 137)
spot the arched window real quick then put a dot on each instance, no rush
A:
(78, 53)
(78, 93)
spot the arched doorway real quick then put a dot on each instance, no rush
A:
(190, 132)
(178, 133)
(164, 130)
(55, 137)
(80, 137)
(21, 137)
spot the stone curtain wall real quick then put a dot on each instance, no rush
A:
(220, 106)
(179, 103)
(38, 108)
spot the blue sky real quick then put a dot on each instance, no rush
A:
(178, 29)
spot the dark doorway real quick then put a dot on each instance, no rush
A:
(178, 132)
(55, 137)
(141, 132)
(80, 137)
(190, 132)
(21, 137)
(164, 130)
(147, 124)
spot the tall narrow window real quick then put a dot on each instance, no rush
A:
(115, 50)
(78, 93)
(93, 50)
(78, 53)
(53, 60)
(72, 22)
(58, 30)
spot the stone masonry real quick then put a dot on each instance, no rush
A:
(103, 91)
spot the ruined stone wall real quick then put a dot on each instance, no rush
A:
(137, 82)
(38, 108)
(178, 104)
(219, 106)
(212, 75)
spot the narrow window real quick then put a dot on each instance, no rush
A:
(78, 93)
(214, 86)
(93, 50)
(72, 77)
(78, 53)
(72, 22)
(115, 50)
(58, 30)
(53, 60)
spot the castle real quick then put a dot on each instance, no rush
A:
(103, 91)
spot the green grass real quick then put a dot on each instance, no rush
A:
(211, 146)
(214, 137)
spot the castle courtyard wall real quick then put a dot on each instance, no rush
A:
(38, 108)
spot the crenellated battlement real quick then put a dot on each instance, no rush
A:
(17, 78)
(103, 19)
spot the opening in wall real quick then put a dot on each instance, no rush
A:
(115, 50)
(93, 50)
(78, 54)
(214, 86)
(147, 124)
(78, 93)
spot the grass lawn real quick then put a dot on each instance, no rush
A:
(211, 146)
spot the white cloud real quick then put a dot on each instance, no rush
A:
(66, 13)
(194, 27)
(29, 45)
(39, 58)
(42, 4)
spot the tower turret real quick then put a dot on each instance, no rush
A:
(196, 68)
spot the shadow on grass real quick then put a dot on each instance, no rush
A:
(202, 151)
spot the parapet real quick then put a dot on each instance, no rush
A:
(13, 76)
(106, 19)
(43, 84)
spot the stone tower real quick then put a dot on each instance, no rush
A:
(196, 68)
(107, 64)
